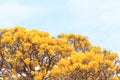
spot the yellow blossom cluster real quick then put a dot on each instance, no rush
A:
(36, 55)
(90, 62)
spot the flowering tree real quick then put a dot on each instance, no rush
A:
(35, 55)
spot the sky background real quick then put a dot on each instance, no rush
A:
(97, 19)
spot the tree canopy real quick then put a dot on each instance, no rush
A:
(36, 55)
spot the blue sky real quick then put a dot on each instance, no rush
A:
(98, 19)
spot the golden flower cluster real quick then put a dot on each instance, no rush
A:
(35, 55)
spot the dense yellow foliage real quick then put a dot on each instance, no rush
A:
(35, 55)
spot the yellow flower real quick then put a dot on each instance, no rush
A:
(13, 71)
(34, 62)
(18, 53)
(90, 55)
(95, 49)
(41, 51)
(109, 63)
(27, 61)
(83, 66)
(78, 57)
(51, 52)
(26, 45)
(38, 76)
(114, 78)
(34, 72)
(71, 35)
(43, 46)
(9, 60)
(72, 67)
(57, 48)
(6, 39)
(64, 62)
(55, 71)
(35, 39)
(111, 56)
(93, 65)
(99, 58)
